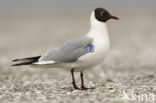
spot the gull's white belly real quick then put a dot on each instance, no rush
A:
(91, 59)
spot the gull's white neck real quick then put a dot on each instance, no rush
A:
(98, 30)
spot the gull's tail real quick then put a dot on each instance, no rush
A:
(26, 61)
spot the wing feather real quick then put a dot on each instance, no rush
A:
(69, 52)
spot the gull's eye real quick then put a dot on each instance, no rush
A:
(102, 13)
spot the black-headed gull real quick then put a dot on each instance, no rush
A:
(78, 54)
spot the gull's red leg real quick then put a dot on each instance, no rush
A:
(82, 82)
(73, 79)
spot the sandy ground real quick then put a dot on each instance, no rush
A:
(129, 68)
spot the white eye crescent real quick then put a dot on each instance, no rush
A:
(102, 13)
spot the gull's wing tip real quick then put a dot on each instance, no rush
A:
(14, 60)
(14, 65)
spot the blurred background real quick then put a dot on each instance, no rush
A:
(31, 27)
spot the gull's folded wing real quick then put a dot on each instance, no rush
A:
(69, 52)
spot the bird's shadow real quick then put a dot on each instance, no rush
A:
(71, 89)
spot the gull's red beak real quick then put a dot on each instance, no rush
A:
(114, 17)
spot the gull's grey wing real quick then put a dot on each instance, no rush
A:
(69, 52)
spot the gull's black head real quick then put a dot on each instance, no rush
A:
(103, 15)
